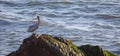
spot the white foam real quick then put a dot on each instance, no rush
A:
(78, 27)
(85, 28)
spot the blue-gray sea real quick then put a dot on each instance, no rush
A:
(95, 22)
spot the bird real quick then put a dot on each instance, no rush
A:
(35, 26)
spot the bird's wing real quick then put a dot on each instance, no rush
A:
(32, 28)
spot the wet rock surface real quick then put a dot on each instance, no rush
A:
(48, 45)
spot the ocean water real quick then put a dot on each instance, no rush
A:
(95, 22)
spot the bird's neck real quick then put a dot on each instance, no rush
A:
(38, 22)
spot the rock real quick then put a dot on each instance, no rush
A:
(90, 50)
(47, 45)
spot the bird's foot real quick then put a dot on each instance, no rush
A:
(37, 36)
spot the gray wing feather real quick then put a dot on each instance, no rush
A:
(32, 28)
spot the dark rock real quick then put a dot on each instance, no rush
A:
(47, 45)
(11, 54)
(90, 50)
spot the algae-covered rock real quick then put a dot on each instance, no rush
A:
(90, 50)
(47, 45)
